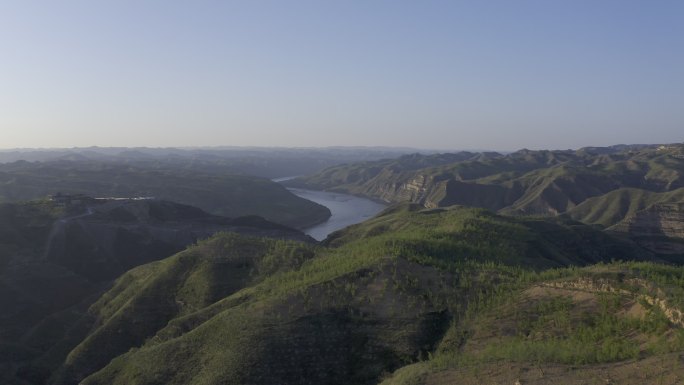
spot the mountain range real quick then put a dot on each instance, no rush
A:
(412, 296)
(217, 192)
(534, 267)
(57, 258)
(622, 188)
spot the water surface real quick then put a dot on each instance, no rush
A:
(346, 210)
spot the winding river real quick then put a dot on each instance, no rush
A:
(346, 209)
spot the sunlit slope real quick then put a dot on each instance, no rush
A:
(613, 207)
(145, 299)
(616, 323)
(381, 295)
(521, 183)
(654, 220)
(480, 235)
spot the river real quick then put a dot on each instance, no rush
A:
(346, 210)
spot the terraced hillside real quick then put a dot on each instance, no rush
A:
(606, 324)
(406, 297)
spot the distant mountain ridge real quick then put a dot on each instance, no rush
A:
(214, 191)
(259, 161)
(525, 182)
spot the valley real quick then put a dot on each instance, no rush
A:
(436, 288)
(601, 186)
(537, 266)
(342, 193)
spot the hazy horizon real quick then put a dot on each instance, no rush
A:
(350, 147)
(429, 75)
(369, 147)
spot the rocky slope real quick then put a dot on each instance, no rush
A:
(654, 220)
(664, 219)
(609, 209)
(609, 324)
(659, 228)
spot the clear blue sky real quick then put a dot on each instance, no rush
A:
(434, 74)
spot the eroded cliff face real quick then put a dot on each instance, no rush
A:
(659, 227)
(402, 187)
(665, 219)
(544, 197)
(434, 191)
(546, 183)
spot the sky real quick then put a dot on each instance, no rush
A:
(479, 74)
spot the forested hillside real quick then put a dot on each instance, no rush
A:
(412, 296)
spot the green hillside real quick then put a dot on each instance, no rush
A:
(56, 260)
(613, 207)
(521, 183)
(145, 299)
(381, 295)
(480, 235)
(618, 323)
(445, 286)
